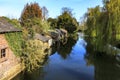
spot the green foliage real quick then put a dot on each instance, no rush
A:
(14, 39)
(67, 22)
(43, 27)
(103, 24)
(33, 50)
(14, 22)
(53, 23)
(33, 54)
(30, 11)
(32, 20)
(15, 42)
(113, 9)
(36, 25)
(97, 28)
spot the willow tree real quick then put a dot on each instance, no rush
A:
(103, 23)
(92, 20)
(112, 7)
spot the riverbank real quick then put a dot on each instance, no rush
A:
(11, 73)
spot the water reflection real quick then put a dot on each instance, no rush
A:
(72, 67)
(106, 67)
(76, 61)
(67, 63)
(79, 49)
(64, 50)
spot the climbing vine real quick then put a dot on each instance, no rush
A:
(15, 42)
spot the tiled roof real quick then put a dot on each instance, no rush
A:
(5, 26)
(41, 37)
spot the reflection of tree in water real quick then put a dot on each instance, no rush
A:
(35, 74)
(106, 48)
(30, 76)
(38, 73)
(64, 50)
(106, 67)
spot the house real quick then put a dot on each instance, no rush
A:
(44, 39)
(7, 57)
(5, 27)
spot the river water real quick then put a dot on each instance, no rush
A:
(76, 61)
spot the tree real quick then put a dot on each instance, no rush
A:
(113, 11)
(33, 54)
(95, 28)
(67, 10)
(32, 20)
(53, 22)
(103, 24)
(44, 13)
(67, 21)
(30, 11)
(82, 23)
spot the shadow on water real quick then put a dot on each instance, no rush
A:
(106, 67)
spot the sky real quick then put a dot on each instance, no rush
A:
(13, 8)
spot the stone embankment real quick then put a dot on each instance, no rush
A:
(12, 72)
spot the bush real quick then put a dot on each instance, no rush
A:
(33, 54)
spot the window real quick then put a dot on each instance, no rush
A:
(3, 53)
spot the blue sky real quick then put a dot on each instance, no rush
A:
(13, 8)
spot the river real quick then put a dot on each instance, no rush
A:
(76, 61)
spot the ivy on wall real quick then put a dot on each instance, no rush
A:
(15, 42)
